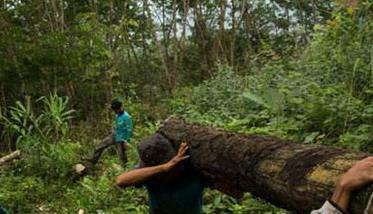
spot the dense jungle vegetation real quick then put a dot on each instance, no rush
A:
(300, 70)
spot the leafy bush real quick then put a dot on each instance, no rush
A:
(42, 136)
(101, 196)
(21, 194)
(216, 202)
(50, 124)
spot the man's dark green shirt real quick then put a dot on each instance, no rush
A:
(183, 196)
(2, 210)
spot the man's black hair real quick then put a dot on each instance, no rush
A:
(116, 104)
(155, 150)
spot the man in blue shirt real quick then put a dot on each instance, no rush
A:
(120, 138)
(172, 188)
(123, 130)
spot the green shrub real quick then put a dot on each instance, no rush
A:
(21, 194)
(43, 136)
(99, 195)
(50, 124)
(47, 160)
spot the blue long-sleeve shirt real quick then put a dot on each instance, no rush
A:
(123, 127)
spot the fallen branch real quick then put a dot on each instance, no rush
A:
(10, 157)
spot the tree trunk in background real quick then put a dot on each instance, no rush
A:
(2, 113)
(202, 40)
(293, 176)
(175, 45)
(160, 48)
(221, 38)
(143, 33)
(184, 25)
(7, 140)
(233, 34)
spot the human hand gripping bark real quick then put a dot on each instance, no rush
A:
(180, 156)
(356, 177)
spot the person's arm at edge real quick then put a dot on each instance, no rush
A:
(138, 176)
(360, 174)
(341, 198)
(356, 177)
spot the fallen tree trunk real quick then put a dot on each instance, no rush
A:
(293, 176)
(10, 157)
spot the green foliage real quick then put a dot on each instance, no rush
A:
(341, 52)
(43, 136)
(49, 161)
(216, 202)
(56, 116)
(23, 121)
(218, 95)
(50, 124)
(15, 188)
(322, 97)
(101, 196)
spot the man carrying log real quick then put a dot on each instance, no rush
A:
(121, 136)
(173, 188)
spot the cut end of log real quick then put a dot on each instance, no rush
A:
(79, 168)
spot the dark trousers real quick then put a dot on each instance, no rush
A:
(121, 151)
(106, 143)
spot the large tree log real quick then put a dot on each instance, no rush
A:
(293, 176)
(10, 157)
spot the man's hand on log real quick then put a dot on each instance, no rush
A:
(180, 156)
(356, 177)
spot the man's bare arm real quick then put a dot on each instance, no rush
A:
(138, 176)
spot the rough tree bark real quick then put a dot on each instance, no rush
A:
(293, 176)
